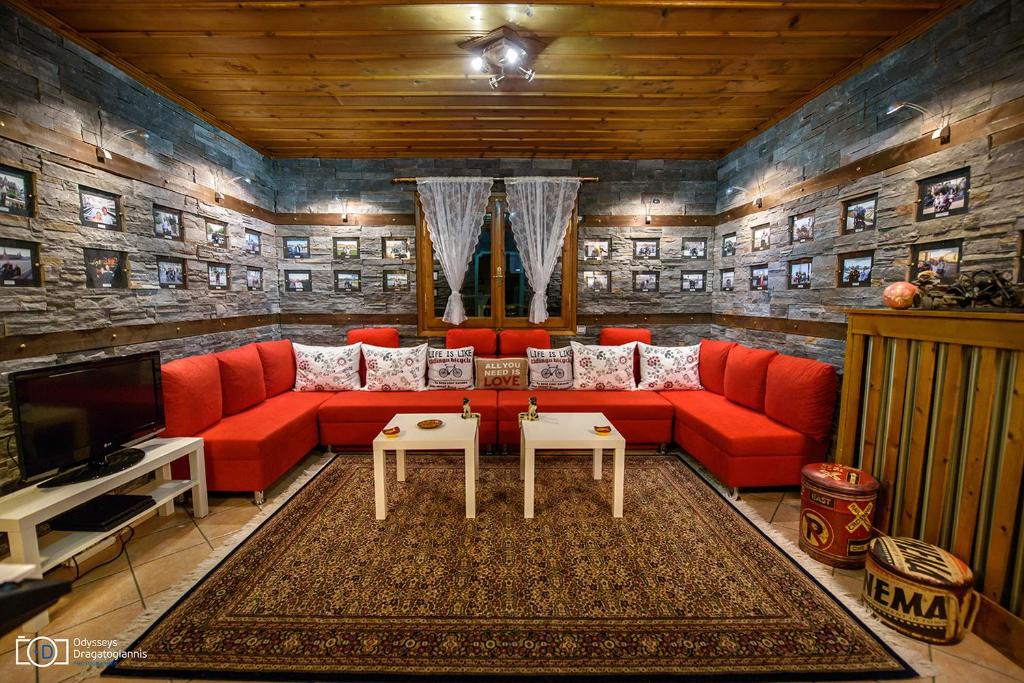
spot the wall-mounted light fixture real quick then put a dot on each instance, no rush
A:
(103, 154)
(218, 196)
(758, 201)
(343, 208)
(942, 133)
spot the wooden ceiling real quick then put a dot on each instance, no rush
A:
(618, 79)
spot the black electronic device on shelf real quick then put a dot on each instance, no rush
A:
(102, 513)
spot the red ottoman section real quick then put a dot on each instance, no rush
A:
(515, 342)
(192, 395)
(278, 359)
(801, 393)
(483, 341)
(241, 378)
(745, 374)
(713, 357)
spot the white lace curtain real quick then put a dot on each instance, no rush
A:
(454, 209)
(541, 209)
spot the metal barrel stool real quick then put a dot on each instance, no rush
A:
(837, 507)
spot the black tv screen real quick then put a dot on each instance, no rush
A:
(70, 414)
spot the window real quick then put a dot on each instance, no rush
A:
(495, 292)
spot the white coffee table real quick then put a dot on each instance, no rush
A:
(455, 434)
(570, 431)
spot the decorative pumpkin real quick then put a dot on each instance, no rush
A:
(900, 295)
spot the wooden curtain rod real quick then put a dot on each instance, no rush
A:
(585, 179)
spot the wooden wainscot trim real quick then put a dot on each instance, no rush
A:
(639, 320)
(346, 319)
(970, 328)
(803, 328)
(640, 221)
(342, 220)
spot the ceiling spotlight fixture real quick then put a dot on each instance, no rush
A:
(528, 74)
(478, 64)
(504, 53)
(493, 81)
(512, 55)
(942, 133)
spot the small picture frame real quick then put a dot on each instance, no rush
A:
(693, 281)
(298, 281)
(646, 281)
(171, 273)
(348, 281)
(216, 233)
(296, 248)
(597, 281)
(396, 281)
(99, 209)
(799, 274)
(218, 276)
(727, 279)
(19, 264)
(759, 277)
(943, 258)
(396, 248)
(106, 269)
(944, 195)
(346, 248)
(254, 278)
(760, 238)
(855, 268)
(646, 248)
(17, 192)
(729, 244)
(597, 249)
(859, 214)
(801, 228)
(253, 242)
(167, 223)
(695, 249)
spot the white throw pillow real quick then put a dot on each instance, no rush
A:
(550, 368)
(390, 369)
(450, 368)
(603, 368)
(326, 368)
(669, 367)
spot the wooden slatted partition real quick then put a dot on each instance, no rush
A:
(933, 406)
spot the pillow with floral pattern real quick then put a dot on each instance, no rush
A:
(669, 368)
(326, 368)
(389, 369)
(603, 368)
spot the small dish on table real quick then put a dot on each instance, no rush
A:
(429, 424)
(391, 432)
(602, 430)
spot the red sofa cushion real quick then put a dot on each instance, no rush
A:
(801, 393)
(374, 336)
(713, 356)
(278, 361)
(617, 336)
(266, 431)
(361, 406)
(192, 395)
(515, 342)
(241, 378)
(483, 341)
(623, 405)
(745, 373)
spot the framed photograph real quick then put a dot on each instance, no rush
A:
(298, 280)
(167, 223)
(728, 280)
(106, 269)
(348, 281)
(855, 268)
(694, 281)
(943, 258)
(646, 248)
(346, 247)
(645, 281)
(801, 228)
(799, 274)
(19, 264)
(216, 234)
(396, 248)
(597, 249)
(944, 195)
(218, 276)
(859, 214)
(296, 247)
(695, 249)
(759, 277)
(253, 278)
(170, 272)
(760, 238)
(597, 281)
(729, 244)
(17, 192)
(99, 209)
(253, 242)
(396, 281)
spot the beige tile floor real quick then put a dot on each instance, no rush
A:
(164, 549)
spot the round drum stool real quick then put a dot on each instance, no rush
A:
(919, 589)
(837, 506)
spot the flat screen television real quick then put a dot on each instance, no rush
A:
(80, 419)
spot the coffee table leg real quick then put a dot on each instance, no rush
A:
(619, 480)
(598, 453)
(476, 448)
(528, 488)
(471, 456)
(400, 465)
(378, 483)
(522, 455)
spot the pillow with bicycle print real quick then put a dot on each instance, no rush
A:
(669, 368)
(603, 368)
(450, 368)
(389, 369)
(550, 368)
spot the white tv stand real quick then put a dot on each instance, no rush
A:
(22, 510)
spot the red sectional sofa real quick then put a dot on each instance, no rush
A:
(760, 418)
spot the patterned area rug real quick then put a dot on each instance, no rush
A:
(682, 587)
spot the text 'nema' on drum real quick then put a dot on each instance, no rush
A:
(837, 506)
